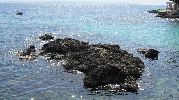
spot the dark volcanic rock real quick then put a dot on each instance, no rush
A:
(152, 53)
(153, 11)
(149, 53)
(46, 37)
(102, 64)
(63, 46)
(28, 51)
(168, 14)
(19, 13)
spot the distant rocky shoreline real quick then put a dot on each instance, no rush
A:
(166, 13)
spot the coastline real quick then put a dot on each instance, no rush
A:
(165, 13)
(128, 26)
(171, 11)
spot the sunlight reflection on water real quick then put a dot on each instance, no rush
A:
(129, 26)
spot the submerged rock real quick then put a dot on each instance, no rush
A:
(149, 53)
(46, 37)
(102, 64)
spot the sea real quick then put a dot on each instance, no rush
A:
(128, 25)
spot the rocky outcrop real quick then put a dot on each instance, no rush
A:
(166, 14)
(149, 53)
(28, 51)
(27, 54)
(153, 11)
(19, 13)
(174, 14)
(163, 14)
(102, 64)
(46, 37)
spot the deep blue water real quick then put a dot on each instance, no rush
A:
(129, 26)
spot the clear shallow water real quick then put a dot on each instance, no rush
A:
(129, 26)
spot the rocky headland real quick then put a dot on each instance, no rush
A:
(166, 13)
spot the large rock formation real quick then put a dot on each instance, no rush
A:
(102, 64)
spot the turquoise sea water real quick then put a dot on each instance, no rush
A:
(129, 26)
